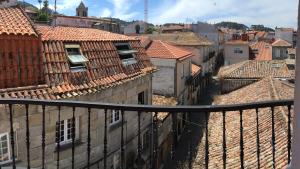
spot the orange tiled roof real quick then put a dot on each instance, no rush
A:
(195, 69)
(159, 49)
(104, 68)
(237, 42)
(264, 90)
(79, 34)
(281, 43)
(255, 69)
(261, 50)
(14, 21)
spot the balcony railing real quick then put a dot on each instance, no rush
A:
(52, 156)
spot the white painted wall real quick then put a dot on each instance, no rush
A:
(231, 57)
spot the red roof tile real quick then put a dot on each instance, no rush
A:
(261, 50)
(14, 21)
(79, 34)
(159, 49)
(195, 69)
(264, 90)
(281, 43)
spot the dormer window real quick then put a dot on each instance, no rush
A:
(76, 59)
(126, 53)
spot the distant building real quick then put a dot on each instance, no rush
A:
(280, 49)
(174, 66)
(81, 10)
(87, 22)
(261, 51)
(8, 3)
(131, 29)
(173, 29)
(236, 51)
(204, 54)
(244, 73)
(285, 34)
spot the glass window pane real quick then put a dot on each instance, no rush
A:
(77, 59)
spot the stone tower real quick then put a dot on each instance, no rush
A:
(81, 10)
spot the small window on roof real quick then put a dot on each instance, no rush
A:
(76, 59)
(126, 53)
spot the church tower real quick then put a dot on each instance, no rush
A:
(81, 10)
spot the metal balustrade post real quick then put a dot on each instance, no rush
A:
(139, 165)
(155, 141)
(241, 140)
(273, 139)
(105, 140)
(73, 137)
(43, 137)
(122, 141)
(206, 141)
(174, 133)
(27, 136)
(58, 138)
(257, 139)
(89, 139)
(289, 134)
(224, 139)
(12, 137)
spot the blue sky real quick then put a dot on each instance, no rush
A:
(281, 13)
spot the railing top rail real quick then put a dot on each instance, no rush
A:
(149, 108)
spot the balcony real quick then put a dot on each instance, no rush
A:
(35, 147)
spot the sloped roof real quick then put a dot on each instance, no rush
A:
(255, 69)
(182, 38)
(159, 49)
(237, 42)
(195, 69)
(13, 21)
(61, 33)
(104, 68)
(264, 90)
(281, 43)
(145, 40)
(160, 100)
(261, 50)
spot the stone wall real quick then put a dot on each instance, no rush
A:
(125, 93)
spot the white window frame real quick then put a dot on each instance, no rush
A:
(113, 115)
(65, 130)
(8, 148)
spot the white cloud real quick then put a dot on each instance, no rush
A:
(268, 12)
(106, 13)
(65, 5)
(123, 9)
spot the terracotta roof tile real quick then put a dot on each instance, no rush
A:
(195, 69)
(264, 90)
(281, 43)
(261, 50)
(79, 34)
(14, 21)
(160, 100)
(159, 49)
(255, 69)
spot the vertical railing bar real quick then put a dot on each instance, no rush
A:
(105, 140)
(12, 138)
(257, 139)
(224, 140)
(206, 141)
(190, 144)
(27, 136)
(174, 132)
(139, 141)
(122, 140)
(273, 137)
(89, 139)
(58, 138)
(241, 140)
(73, 137)
(43, 137)
(155, 140)
(289, 134)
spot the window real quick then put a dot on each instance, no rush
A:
(76, 60)
(65, 129)
(146, 140)
(4, 148)
(115, 117)
(141, 98)
(126, 54)
(238, 50)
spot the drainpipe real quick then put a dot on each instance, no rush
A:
(296, 123)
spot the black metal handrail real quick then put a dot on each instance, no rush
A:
(139, 109)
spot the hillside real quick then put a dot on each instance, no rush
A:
(232, 25)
